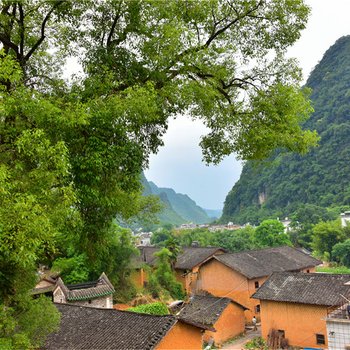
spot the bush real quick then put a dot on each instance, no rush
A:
(256, 343)
(156, 308)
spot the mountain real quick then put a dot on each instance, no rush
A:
(178, 208)
(214, 213)
(280, 185)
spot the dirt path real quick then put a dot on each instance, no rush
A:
(239, 343)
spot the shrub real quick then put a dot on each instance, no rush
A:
(156, 308)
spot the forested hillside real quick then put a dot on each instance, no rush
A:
(178, 208)
(277, 187)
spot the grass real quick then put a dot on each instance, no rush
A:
(335, 269)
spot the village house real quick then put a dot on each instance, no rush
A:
(186, 267)
(45, 286)
(93, 294)
(338, 327)
(223, 317)
(295, 306)
(239, 275)
(108, 329)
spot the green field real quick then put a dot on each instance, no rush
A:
(336, 269)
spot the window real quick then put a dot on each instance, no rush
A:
(257, 309)
(256, 284)
(307, 271)
(90, 301)
(320, 339)
(281, 333)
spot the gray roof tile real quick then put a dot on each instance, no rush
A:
(204, 310)
(262, 262)
(107, 329)
(88, 290)
(188, 257)
(306, 288)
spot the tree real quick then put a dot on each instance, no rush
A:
(341, 252)
(159, 237)
(326, 235)
(235, 241)
(162, 279)
(303, 220)
(270, 233)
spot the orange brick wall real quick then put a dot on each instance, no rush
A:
(138, 277)
(182, 336)
(300, 322)
(230, 324)
(220, 280)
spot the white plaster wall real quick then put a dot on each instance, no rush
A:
(338, 334)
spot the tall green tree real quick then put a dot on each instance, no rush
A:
(325, 236)
(341, 252)
(270, 233)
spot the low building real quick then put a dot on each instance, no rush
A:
(92, 294)
(338, 328)
(296, 306)
(223, 317)
(109, 329)
(186, 267)
(239, 275)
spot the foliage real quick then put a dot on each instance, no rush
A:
(160, 237)
(270, 233)
(157, 308)
(235, 241)
(29, 324)
(73, 269)
(256, 343)
(319, 178)
(163, 279)
(341, 253)
(326, 235)
(113, 258)
(304, 218)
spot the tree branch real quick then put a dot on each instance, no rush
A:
(115, 21)
(43, 25)
(21, 29)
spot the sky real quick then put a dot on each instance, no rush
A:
(178, 164)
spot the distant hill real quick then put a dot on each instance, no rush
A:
(214, 213)
(321, 177)
(179, 208)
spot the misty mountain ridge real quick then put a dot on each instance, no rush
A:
(178, 208)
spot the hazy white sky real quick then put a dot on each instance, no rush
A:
(178, 164)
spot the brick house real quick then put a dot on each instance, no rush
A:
(93, 294)
(186, 267)
(296, 306)
(92, 328)
(223, 317)
(239, 275)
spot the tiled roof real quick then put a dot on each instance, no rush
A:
(188, 257)
(306, 288)
(192, 256)
(262, 262)
(91, 328)
(88, 290)
(205, 310)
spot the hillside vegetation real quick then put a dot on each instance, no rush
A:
(177, 208)
(278, 186)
